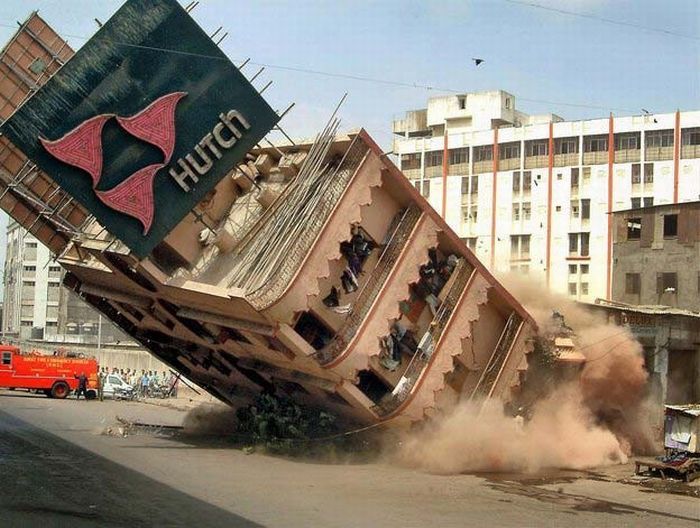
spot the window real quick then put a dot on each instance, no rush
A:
(507, 103)
(516, 212)
(474, 185)
(595, 143)
(666, 283)
(520, 247)
(636, 173)
(526, 210)
(509, 151)
(537, 148)
(527, 180)
(670, 226)
(516, 181)
(648, 202)
(634, 228)
(114, 380)
(410, 161)
(648, 172)
(584, 269)
(585, 209)
(457, 156)
(573, 269)
(559, 175)
(690, 136)
(584, 288)
(426, 189)
(636, 203)
(566, 145)
(462, 101)
(658, 138)
(574, 178)
(574, 209)
(483, 153)
(7, 358)
(586, 174)
(29, 283)
(29, 268)
(579, 244)
(632, 283)
(627, 141)
(471, 243)
(30, 245)
(433, 158)
(558, 208)
(573, 288)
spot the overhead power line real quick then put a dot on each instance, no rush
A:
(590, 16)
(350, 76)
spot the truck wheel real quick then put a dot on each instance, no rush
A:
(90, 394)
(60, 390)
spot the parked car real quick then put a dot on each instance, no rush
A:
(116, 387)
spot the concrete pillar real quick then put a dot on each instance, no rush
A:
(660, 363)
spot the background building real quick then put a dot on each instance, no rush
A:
(656, 256)
(533, 193)
(37, 306)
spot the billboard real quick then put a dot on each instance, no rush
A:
(142, 121)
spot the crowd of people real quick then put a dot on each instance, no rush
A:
(146, 382)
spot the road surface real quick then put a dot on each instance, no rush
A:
(57, 469)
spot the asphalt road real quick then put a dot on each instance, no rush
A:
(57, 469)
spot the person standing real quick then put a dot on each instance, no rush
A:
(100, 385)
(82, 386)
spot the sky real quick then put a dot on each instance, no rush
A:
(578, 67)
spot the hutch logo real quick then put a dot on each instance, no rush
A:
(155, 124)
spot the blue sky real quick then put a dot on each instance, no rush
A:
(536, 54)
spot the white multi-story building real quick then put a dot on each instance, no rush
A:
(534, 193)
(32, 286)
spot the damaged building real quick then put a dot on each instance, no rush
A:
(316, 269)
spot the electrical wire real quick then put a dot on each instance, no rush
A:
(337, 75)
(602, 19)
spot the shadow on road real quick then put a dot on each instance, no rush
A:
(48, 481)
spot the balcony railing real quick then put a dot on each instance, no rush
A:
(658, 153)
(595, 158)
(481, 167)
(566, 160)
(433, 172)
(536, 162)
(509, 164)
(628, 156)
(400, 231)
(412, 174)
(422, 356)
(490, 374)
(690, 151)
(458, 169)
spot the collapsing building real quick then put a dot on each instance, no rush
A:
(316, 270)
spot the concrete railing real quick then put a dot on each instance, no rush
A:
(400, 233)
(421, 358)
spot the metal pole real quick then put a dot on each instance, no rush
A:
(99, 335)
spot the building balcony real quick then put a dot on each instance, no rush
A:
(509, 164)
(419, 362)
(690, 151)
(458, 169)
(490, 374)
(481, 167)
(658, 153)
(566, 160)
(595, 158)
(412, 174)
(628, 156)
(371, 289)
(536, 162)
(433, 172)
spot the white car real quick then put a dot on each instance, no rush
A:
(115, 383)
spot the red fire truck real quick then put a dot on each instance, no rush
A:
(54, 375)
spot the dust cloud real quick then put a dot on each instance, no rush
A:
(210, 420)
(598, 418)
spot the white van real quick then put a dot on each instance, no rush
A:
(112, 383)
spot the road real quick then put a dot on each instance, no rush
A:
(58, 469)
